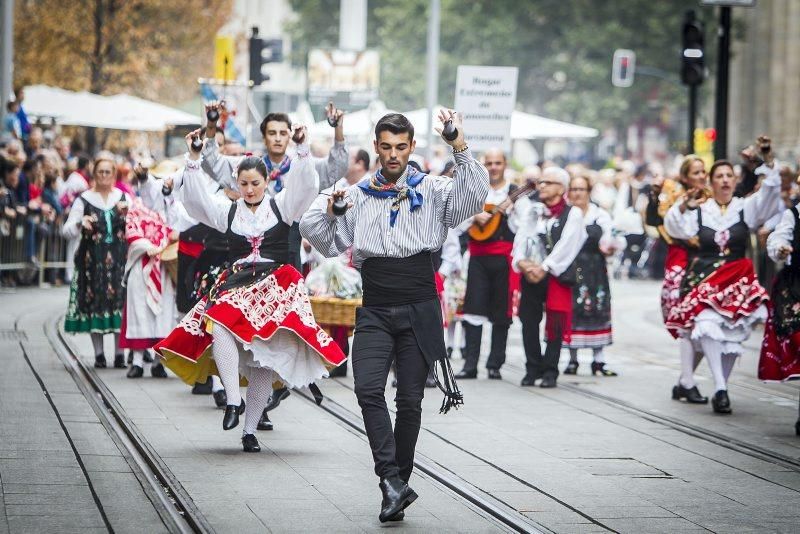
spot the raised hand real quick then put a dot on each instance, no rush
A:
(449, 115)
(300, 134)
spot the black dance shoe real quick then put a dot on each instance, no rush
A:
(100, 361)
(494, 374)
(275, 399)
(250, 443)
(721, 403)
(572, 368)
(600, 368)
(202, 388)
(528, 380)
(135, 372)
(399, 516)
(692, 395)
(231, 417)
(119, 361)
(548, 382)
(220, 398)
(158, 371)
(397, 495)
(264, 423)
(465, 374)
(316, 393)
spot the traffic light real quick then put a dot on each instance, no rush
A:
(693, 69)
(622, 68)
(263, 51)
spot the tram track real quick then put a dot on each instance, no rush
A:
(168, 497)
(491, 504)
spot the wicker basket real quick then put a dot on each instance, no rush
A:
(335, 311)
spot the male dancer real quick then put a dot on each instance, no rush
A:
(395, 220)
(491, 280)
(276, 128)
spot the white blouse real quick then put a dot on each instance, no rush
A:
(72, 228)
(757, 208)
(528, 245)
(782, 236)
(596, 214)
(301, 189)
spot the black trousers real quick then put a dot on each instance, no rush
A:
(383, 334)
(531, 310)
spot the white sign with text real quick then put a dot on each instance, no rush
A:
(485, 97)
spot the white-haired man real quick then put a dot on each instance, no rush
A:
(545, 247)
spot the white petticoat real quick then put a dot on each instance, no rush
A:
(730, 334)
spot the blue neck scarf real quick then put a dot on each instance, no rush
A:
(276, 173)
(378, 186)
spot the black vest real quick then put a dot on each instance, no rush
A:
(274, 245)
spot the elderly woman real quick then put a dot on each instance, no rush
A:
(256, 321)
(721, 298)
(96, 296)
(591, 294)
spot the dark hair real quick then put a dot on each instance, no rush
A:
(277, 117)
(10, 104)
(415, 165)
(717, 164)
(363, 156)
(83, 161)
(395, 123)
(250, 163)
(7, 166)
(29, 165)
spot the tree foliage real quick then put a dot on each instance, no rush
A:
(151, 48)
(563, 49)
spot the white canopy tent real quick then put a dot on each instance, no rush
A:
(120, 112)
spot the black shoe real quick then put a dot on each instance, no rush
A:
(572, 368)
(220, 398)
(250, 443)
(692, 395)
(264, 423)
(528, 380)
(601, 368)
(275, 399)
(399, 516)
(100, 361)
(158, 371)
(720, 402)
(231, 417)
(135, 372)
(314, 389)
(464, 374)
(396, 497)
(494, 374)
(148, 357)
(119, 361)
(548, 382)
(202, 388)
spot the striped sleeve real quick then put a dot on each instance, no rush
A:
(464, 195)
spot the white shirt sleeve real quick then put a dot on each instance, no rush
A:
(609, 239)
(681, 225)
(302, 184)
(782, 235)
(72, 228)
(451, 254)
(569, 244)
(765, 202)
(211, 210)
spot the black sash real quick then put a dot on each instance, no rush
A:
(398, 281)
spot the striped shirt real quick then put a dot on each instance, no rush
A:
(446, 203)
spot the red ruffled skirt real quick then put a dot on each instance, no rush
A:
(674, 271)
(259, 316)
(780, 356)
(732, 291)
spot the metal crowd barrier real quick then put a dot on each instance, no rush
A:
(51, 248)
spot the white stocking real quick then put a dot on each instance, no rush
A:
(713, 352)
(138, 358)
(226, 356)
(573, 355)
(259, 390)
(97, 343)
(597, 354)
(216, 384)
(728, 361)
(687, 363)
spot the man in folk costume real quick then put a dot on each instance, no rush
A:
(396, 219)
(150, 312)
(550, 237)
(491, 282)
(276, 129)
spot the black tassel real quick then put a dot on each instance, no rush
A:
(453, 398)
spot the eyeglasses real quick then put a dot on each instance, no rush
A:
(578, 189)
(545, 182)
